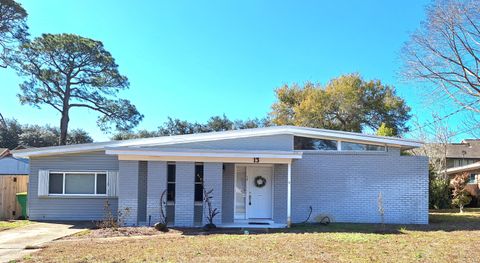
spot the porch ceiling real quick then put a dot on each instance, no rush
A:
(203, 155)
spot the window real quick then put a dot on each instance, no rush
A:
(171, 177)
(199, 183)
(77, 183)
(472, 179)
(171, 173)
(55, 183)
(198, 193)
(352, 146)
(304, 143)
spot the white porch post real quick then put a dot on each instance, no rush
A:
(289, 195)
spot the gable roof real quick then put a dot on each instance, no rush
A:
(469, 148)
(224, 135)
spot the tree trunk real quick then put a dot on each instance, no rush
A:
(64, 127)
(65, 114)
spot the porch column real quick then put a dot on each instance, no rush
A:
(289, 195)
(213, 179)
(128, 191)
(184, 193)
(156, 184)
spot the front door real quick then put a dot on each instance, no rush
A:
(259, 192)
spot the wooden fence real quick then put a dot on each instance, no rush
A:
(9, 186)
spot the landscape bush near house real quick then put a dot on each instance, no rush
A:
(110, 220)
(439, 192)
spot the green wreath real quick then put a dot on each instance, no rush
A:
(260, 181)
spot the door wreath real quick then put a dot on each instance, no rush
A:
(260, 181)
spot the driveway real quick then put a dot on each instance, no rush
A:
(19, 242)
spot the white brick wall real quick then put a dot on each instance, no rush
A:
(280, 194)
(157, 183)
(213, 174)
(184, 193)
(346, 187)
(128, 191)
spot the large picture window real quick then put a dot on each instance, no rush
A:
(77, 183)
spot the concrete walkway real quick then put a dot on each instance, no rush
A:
(19, 242)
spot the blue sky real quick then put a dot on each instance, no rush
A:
(195, 59)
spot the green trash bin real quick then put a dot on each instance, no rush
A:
(22, 200)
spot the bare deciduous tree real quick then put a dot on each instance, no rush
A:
(437, 135)
(445, 51)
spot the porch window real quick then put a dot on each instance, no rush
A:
(171, 179)
(77, 183)
(198, 206)
(305, 143)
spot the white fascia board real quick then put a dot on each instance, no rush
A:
(45, 151)
(211, 154)
(464, 168)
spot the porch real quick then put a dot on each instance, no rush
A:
(250, 188)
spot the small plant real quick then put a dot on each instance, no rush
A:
(122, 216)
(210, 212)
(109, 220)
(460, 195)
(162, 224)
(381, 210)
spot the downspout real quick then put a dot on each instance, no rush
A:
(289, 195)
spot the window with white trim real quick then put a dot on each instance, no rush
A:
(472, 179)
(77, 183)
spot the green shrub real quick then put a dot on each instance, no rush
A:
(439, 192)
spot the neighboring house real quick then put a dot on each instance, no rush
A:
(13, 179)
(10, 165)
(464, 153)
(473, 185)
(267, 176)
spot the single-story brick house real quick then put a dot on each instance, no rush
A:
(269, 176)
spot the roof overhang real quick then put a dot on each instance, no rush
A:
(241, 156)
(404, 144)
(465, 168)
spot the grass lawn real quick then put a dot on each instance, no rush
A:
(9, 224)
(451, 237)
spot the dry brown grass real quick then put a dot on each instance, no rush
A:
(445, 240)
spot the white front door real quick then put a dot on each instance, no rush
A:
(259, 192)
